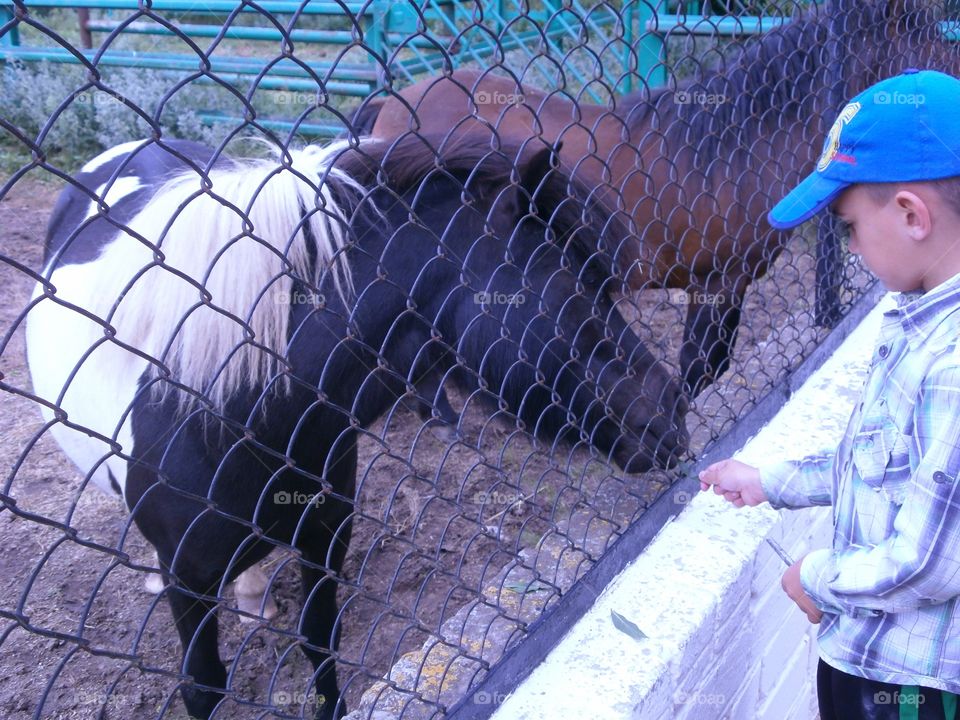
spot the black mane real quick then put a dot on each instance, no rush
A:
(780, 77)
(562, 203)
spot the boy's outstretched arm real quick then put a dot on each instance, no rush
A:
(736, 481)
(793, 484)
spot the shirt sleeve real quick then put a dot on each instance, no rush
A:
(799, 483)
(919, 563)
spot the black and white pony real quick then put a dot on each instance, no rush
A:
(212, 335)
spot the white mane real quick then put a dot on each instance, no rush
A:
(243, 240)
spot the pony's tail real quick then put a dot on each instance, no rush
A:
(258, 227)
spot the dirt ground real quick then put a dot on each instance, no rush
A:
(79, 636)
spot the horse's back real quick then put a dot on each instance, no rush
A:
(125, 177)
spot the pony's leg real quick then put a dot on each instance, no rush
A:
(253, 592)
(153, 583)
(443, 428)
(450, 416)
(251, 587)
(196, 620)
(194, 557)
(713, 317)
(319, 625)
(324, 549)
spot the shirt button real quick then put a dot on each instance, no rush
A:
(884, 351)
(940, 477)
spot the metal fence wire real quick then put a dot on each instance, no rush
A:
(375, 415)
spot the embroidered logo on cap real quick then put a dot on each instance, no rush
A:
(832, 146)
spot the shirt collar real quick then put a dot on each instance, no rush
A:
(920, 312)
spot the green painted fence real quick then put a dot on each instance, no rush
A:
(604, 48)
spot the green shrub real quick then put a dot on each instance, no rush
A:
(95, 119)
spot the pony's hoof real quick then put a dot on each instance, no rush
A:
(200, 703)
(443, 432)
(153, 584)
(250, 604)
(331, 711)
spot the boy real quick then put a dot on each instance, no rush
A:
(887, 594)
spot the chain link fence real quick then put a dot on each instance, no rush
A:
(376, 416)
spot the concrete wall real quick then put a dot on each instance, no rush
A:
(723, 640)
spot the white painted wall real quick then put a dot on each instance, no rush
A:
(724, 641)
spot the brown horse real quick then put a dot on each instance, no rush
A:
(696, 166)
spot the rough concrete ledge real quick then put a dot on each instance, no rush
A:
(722, 640)
(425, 681)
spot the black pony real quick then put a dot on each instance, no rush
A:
(213, 344)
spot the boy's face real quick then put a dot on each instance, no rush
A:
(880, 235)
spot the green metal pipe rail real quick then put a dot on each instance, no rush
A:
(380, 27)
(398, 46)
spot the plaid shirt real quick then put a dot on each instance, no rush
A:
(889, 587)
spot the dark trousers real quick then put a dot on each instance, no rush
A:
(848, 697)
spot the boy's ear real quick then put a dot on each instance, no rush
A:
(917, 214)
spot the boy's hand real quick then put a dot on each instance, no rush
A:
(791, 585)
(736, 481)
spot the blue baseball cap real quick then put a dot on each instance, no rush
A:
(903, 129)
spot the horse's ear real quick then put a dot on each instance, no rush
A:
(541, 164)
(514, 203)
